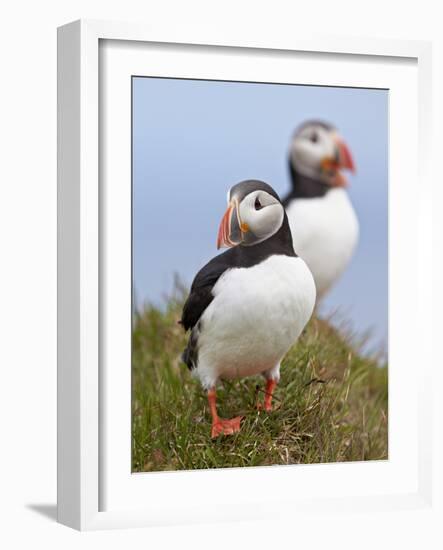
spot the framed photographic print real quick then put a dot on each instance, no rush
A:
(200, 384)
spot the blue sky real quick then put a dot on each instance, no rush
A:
(193, 140)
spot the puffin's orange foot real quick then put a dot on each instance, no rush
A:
(225, 426)
(267, 405)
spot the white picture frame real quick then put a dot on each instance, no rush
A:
(95, 492)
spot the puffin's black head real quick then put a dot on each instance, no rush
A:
(318, 152)
(254, 214)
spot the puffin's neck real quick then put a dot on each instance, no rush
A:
(304, 187)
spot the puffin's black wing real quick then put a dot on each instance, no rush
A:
(201, 290)
(198, 300)
(195, 305)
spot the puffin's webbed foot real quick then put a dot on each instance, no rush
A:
(223, 426)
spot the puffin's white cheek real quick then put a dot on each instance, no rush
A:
(310, 155)
(264, 223)
(305, 155)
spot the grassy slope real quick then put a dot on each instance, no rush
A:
(330, 405)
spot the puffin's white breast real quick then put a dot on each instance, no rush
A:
(325, 233)
(256, 316)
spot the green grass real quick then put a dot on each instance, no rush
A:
(330, 405)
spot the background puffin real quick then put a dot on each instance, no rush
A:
(322, 220)
(248, 305)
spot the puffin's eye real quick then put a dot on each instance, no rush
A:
(314, 137)
(257, 204)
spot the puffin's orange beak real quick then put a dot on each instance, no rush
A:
(224, 229)
(345, 159)
(229, 232)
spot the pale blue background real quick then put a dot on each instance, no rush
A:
(192, 140)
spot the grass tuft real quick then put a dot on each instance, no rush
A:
(331, 404)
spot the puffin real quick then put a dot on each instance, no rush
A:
(322, 219)
(249, 304)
